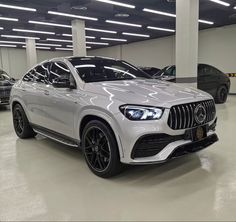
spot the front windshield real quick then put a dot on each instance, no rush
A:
(97, 70)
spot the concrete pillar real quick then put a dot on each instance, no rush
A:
(31, 54)
(187, 15)
(78, 37)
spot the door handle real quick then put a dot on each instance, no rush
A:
(46, 92)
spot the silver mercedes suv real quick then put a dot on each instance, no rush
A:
(112, 110)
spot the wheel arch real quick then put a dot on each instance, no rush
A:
(107, 121)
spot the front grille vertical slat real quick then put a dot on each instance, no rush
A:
(182, 116)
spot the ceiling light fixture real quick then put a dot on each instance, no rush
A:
(206, 22)
(33, 31)
(59, 40)
(72, 16)
(46, 44)
(10, 46)
(19, 37)
(1, 28)
(70, 46)
(116, 3)
(12, 42)
(135, 34)
(159, 12)
(100, 30)
(112, 39)
(161, 29)
(49, 24)
(87, 37)
(38, 47)
(97, 43)
(221, 2)
(123, 23)
(64, 49)
(9, 19)
(17, 7)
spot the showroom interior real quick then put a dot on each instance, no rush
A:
(42, 179)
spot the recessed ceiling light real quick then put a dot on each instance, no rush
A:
(100, 30)
(19, 37)
(122, 15)
(18, 7)
(1, 28)
(221, 2)
(50, 24)
(59, 40)
(112, 39)
(135, 34)
(161, 29)
(83, 8)
(33, 31)
(123, 23)
(10, 46)
(159, 12)
(12, 42)
(234, 7)
(117, 3)
(72, 16)
(87, 37)
(45, 44)
(9, 19)
(70, 46)
(206, 22)
(64, 49)
(97, 43)
(38, 47)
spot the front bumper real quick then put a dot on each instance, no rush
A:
(162, 149)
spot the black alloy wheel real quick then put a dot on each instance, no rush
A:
(222, 94)
(97, 149)
(21, 123)
(100, 149)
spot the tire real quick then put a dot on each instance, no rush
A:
(21, 124)
(221, 95)
(100, 149)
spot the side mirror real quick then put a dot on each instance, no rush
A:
(61, 83)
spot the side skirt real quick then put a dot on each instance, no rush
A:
(55, 136)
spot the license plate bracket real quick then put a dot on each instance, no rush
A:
(199, 133)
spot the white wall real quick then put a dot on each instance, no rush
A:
(13, 61)
(217, 46)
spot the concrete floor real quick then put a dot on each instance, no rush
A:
(43, 180)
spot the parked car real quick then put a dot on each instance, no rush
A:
(210, 80)
(114, 111)
(6, 83)
(152, 71)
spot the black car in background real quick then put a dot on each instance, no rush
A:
(152, 71)
(6, 83)
(210, 80)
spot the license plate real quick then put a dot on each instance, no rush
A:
(199, 133)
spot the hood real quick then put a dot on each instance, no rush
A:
(147, 92)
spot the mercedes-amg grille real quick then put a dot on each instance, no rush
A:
(191, 115)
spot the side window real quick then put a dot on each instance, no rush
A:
(59, 71)
(30, 76)
(206, 70)
(41, 73)
(170, 71)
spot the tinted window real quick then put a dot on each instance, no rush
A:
(95, 70)
(206, 70)
(170, 71)
(41, 73)
(30, 76)
(59, 70)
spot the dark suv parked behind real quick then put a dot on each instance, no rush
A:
(210, 80)
(6, 83)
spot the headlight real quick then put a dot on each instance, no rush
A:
(133, 112)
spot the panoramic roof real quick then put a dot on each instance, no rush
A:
(103, 15)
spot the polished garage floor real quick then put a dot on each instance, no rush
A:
(43, 180)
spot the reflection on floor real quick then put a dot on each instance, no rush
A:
(44, 180)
